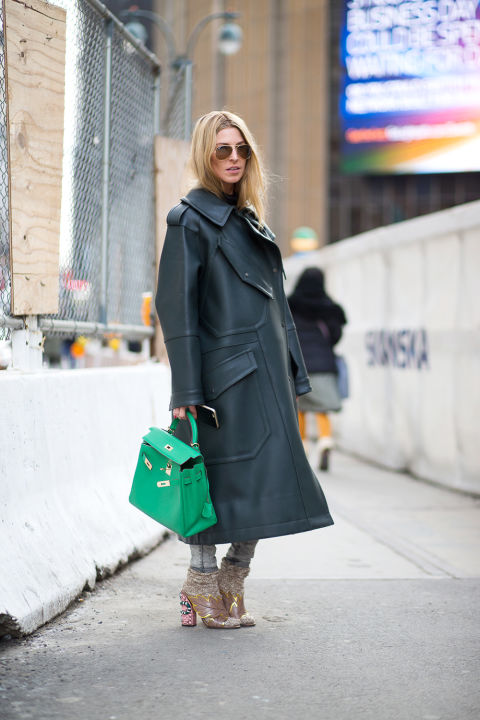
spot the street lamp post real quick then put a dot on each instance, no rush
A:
(229, 42)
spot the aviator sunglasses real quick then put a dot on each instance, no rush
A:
(223, 152)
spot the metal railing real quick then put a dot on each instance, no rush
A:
(107, 236)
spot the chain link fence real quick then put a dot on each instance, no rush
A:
(107, 237)
(84, 143)
(131, 258)
(174, 119)
(5, 282)
(108, 217)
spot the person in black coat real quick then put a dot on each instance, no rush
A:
(319, 321)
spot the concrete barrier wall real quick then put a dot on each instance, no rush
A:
(70, 439)
(68, 449)
(411, 292)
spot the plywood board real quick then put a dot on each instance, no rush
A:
(35, 74)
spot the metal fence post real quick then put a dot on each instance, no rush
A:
(106, 171)
(188, 73)
(157, 94)
(27, 346)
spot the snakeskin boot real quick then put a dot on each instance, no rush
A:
(200, 595)
(231, 580)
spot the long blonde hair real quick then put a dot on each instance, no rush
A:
(251, 188)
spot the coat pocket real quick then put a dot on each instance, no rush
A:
(238, 289)
(232, 388)
(246, 271)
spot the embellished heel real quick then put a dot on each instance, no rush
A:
(188, 614)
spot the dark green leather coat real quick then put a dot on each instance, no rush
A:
(232, 345)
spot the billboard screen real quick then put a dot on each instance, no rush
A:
(410, 100)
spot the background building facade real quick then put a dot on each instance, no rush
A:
(285, 81)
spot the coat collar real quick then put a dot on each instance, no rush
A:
(218, 211)
(209, 205)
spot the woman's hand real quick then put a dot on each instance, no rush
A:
(181, 412)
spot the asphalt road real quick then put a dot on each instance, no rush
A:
(373, 618)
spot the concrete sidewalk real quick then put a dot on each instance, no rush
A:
(387, 526)
(375, 618)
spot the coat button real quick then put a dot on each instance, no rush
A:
(274, 269)
(246, 274)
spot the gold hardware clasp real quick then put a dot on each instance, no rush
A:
(163, 483)
(168, 447)
(148, 463)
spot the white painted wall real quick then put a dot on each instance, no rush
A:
(419, 274)
(69, 443)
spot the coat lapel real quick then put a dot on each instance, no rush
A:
(209, 205)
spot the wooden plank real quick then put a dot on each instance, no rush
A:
(171, 182)
(35, 76)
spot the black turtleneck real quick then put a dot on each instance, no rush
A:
(230, 199)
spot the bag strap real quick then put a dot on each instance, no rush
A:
(193, 428)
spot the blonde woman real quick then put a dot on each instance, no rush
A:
(232, 345)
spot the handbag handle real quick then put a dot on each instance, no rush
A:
(193, 428)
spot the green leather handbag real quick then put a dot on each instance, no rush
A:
(170, 482)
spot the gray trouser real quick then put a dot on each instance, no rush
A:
(204, 556)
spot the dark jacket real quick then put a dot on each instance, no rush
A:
(232, 345)
(318, 319)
